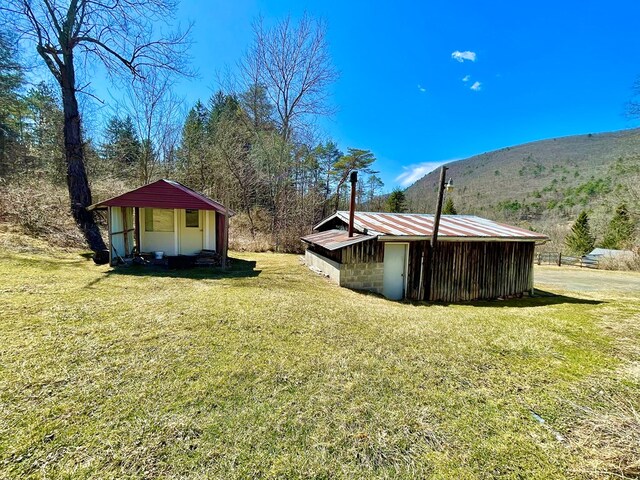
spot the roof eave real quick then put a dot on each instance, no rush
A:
(444, 238)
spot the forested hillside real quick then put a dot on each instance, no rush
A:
(544, 184)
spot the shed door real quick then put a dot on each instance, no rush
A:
(191, 231)
(395, 261)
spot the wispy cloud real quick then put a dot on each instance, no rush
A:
(477, 86)
(462, 56)
(421, 88)
(466, 78)
(412, 173)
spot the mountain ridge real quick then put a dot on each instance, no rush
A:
(522, 182)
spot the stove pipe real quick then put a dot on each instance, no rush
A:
(352, 208)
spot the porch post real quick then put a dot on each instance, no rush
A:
(176, 230)
(109, 233)
(136, 226)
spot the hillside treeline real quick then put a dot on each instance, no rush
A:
(255, 146)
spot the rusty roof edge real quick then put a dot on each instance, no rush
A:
(335, 245)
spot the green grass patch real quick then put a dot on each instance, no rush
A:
(270, 371)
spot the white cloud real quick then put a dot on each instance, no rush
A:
(412, 173)
(421, 88)
(462, 56)
(466, 78)
(477, 86)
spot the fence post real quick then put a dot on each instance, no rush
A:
(560, 259)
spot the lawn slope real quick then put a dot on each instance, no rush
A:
(272, 372)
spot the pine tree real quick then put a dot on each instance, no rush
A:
(580, 241)
(11, 82)
(397, 201)
(122, 148)
(355, 159)
(620, 230)
(449, 208)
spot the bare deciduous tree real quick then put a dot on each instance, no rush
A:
(120, 35)
(290, 65)
(156, 112)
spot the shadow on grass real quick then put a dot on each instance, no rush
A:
(239, 269)
(540, 298)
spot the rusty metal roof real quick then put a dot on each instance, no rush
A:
(162, 194)
(421, 225)
(335, 239)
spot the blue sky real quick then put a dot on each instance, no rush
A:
(523, 71)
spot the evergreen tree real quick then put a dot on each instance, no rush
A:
(45, 142)
(327, 156)
(355, 159)
(449, 208)
(122, 148)
(397, 201)
(191, 155)
(259, 110)
(11, 106)
(374, 185)
(580, 241)
(620, 231)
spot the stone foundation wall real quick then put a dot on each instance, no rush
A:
(362, 276)
(328, 267)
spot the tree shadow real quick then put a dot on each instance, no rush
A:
(239, 268)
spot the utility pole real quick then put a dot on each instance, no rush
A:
(434, 236)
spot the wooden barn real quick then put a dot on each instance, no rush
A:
(390, 254)
(165, 217)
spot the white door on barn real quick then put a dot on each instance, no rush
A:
(395, 266)
(191, 231)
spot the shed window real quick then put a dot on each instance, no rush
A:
(192, 218)
(158, 220)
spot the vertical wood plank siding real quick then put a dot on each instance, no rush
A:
(364, 252)
(472, 270)
(370, 251)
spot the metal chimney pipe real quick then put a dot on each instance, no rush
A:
(352, 207)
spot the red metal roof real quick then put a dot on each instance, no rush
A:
(163, 194)
(421, 225)
(335, 239)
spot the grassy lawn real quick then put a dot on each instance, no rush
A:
(272, 372)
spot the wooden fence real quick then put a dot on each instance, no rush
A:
(556, 258)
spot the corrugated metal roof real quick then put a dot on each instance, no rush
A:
(421, 225)
(163, 194)
(335, 239)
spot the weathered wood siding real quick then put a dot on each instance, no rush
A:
(472, 270)
(370, 251)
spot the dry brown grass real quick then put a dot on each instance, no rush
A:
(625, 263)
(608, 434)
(38, 208)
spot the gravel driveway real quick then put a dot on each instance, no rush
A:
(586, 280)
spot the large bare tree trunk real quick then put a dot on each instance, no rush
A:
(77, 181)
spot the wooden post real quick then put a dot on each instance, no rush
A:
(125, 232)
(560, 259)
(136, 227)
(110, 235)
(434, 236)
(225, 245)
